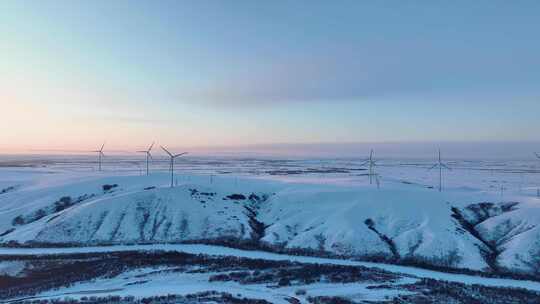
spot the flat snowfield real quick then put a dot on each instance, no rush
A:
(484, 221)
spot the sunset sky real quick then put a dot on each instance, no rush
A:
(232, 73)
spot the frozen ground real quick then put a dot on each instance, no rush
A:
(485, 220)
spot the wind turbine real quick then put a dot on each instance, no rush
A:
(440, 165)
(372, 164)
(537, 190)
(172, 162)
(148, 156)
(100, 154)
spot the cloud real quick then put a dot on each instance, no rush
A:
(345, 73)
(309, 79)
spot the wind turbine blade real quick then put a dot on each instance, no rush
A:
(180, 154)
(102, 146)
(142, 151)
(151, 146)
(433, 167)
(167, 151)
(445, 166)
(364, 163)
(150, 155)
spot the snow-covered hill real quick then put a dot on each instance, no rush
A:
(400, 222)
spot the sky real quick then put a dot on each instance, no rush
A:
(74, 74)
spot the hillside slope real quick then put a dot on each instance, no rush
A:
(398, 223)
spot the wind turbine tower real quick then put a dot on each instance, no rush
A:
(372, 163)
(371, 167)
(100, 154)
(172, 156)
(148, 157)
(537, 190)
(441, 166)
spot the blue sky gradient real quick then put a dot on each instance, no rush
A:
(205, 73)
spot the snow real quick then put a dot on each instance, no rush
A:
(145, 282)
(318, 211)
(11, 268)
(225, 251)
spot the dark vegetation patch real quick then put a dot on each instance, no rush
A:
(200, 297)
(8, 189)
(490, 245)
(236, 197)
(48, 272)
(329, 300)
(470, 217)
(53, 217)
(308, 171)
(108, 187)
(387, 240)
(258, 228)
(61, 204)
(251, 211)
(202, 196)
(53, 271)
(406, 182)
(435, 291)
(10, 230)
(137, 282)
(302, 274)
(443, 264)
(254, 198)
